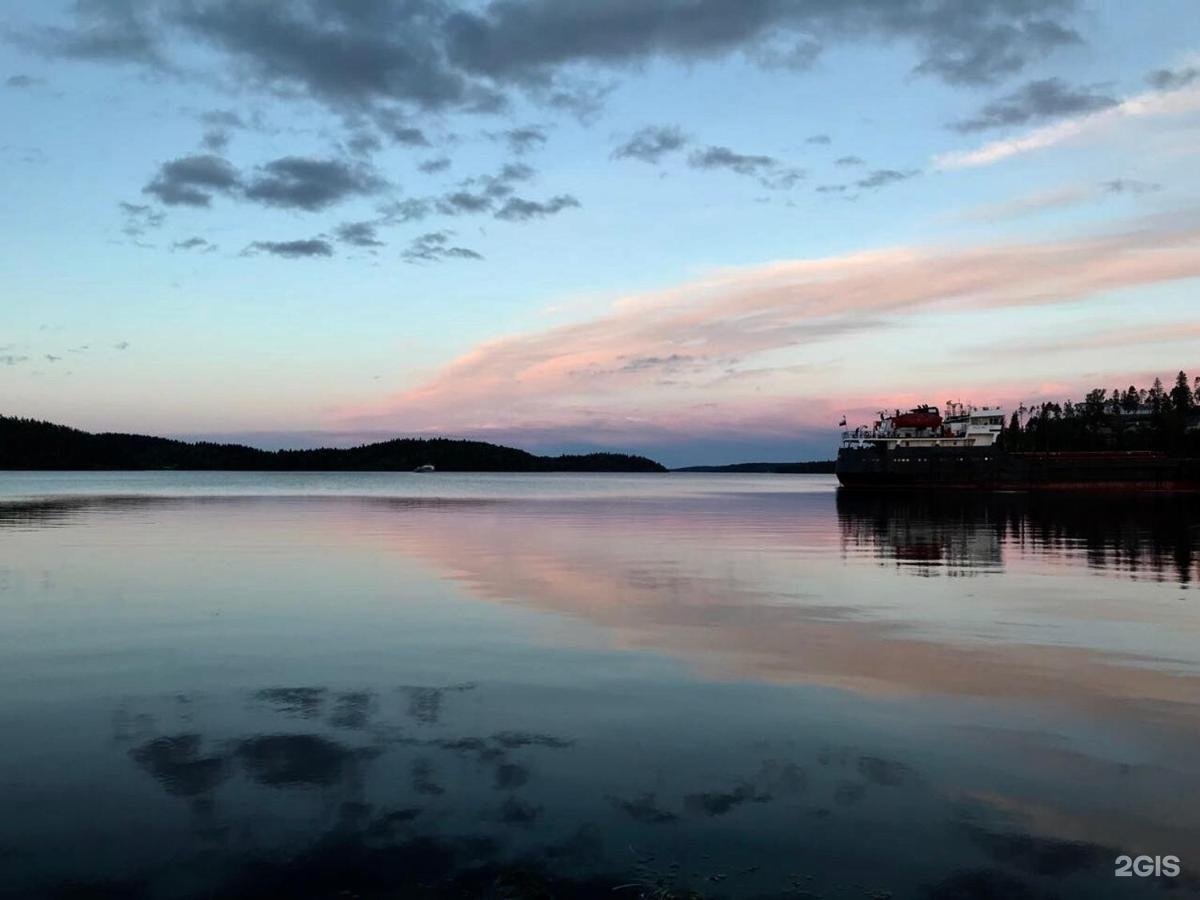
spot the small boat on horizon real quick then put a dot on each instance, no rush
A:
(425, 468)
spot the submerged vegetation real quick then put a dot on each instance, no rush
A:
(30, 444)
(1155, 418)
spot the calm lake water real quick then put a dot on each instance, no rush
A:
(361, 685)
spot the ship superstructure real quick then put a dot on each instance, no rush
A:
(963, 425)
(922, 448)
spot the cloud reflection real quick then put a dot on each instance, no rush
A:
(747, 589)
(469, 785)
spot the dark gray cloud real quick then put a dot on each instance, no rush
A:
(219, 126)
(301, 249)
(215, 140)
(884, 177)
(290, 182)
(458, 203)
(436, 246)
(768, 170)
(358, 234)
(409, 136)
(1129, 186)
(433, 166)
(400, 128)
(1001, 41)
(1046, 98)
(121, 345)
(369, 55)
(822, 139)
(23, 81)
(384, 66)
(514, 41)
(517, 210)
(584, 101)
(782, 179)
(850, 161)
(364, 143)
(194, 243)
(791, 54)
(501, 184)
(297, 182)
(480, 194)
(116, 31)
(651, 143)
(1172, 79)
(412, 209)
(875, 179)
(382, 58)
(523, 139)
(192, 180)
(724, 158)
(140, 218)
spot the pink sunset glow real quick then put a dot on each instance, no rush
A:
(796, 344)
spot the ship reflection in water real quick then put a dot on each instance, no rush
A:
(1143, 534)
(745, 687)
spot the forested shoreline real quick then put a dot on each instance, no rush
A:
(1155, 418)
(32, 444)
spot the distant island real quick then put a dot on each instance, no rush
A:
(815, 467)
(30, 444)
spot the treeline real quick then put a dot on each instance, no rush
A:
(30, 444)
(1153, 418)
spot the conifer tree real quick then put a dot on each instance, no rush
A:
(1155, 396)
(1181, 394)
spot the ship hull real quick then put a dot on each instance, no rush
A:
(990, 468)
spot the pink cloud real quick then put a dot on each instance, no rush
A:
(740, 351)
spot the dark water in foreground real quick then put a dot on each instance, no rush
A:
(457, 686)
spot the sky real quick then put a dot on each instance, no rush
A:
(702, 230)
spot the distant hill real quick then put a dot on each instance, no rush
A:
(821, 466)
(30, 444)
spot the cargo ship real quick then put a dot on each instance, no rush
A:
(963, 448)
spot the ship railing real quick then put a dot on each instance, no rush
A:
(864, 432)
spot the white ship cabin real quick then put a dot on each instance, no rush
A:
(981, 424)
(962, 425)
